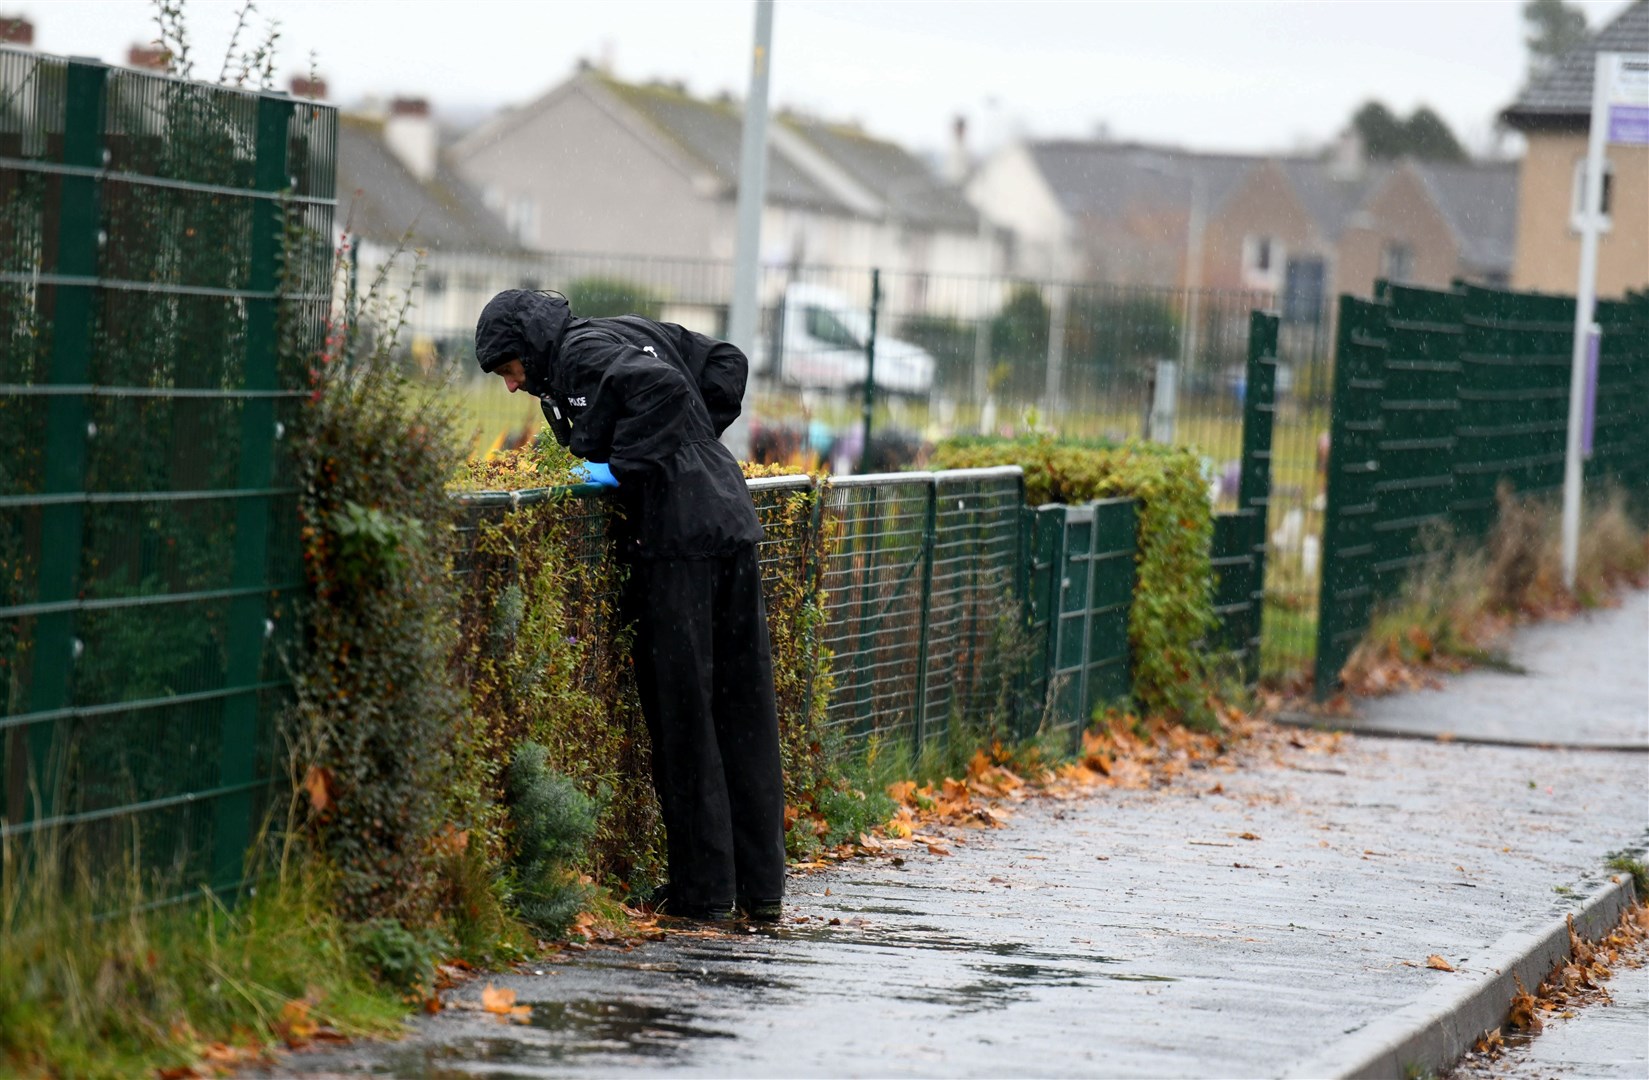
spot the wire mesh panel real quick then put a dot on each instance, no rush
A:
(973, 606)
(148, 547)
(874, 602)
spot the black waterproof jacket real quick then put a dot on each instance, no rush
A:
(648, 398)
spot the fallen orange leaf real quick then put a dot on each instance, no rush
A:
(1437, 963)
(317, 783)
(497, 1001)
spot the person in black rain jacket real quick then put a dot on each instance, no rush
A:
(651, 399)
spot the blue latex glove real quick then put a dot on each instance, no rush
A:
(596, 472)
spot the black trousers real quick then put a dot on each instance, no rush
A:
(704, 670)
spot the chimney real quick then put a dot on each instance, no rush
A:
(957, 165)
(1346, 158)
(16, 30)
(410, 135)
(149, 58)
(311, 89)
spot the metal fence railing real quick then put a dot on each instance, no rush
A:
(1439, 398)
(148, 543)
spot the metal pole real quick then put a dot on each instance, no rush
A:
(742, 315)
(1053, 390)
(1591, 219)
(870, 362)
(1193, 273)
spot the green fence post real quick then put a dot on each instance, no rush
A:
(1254, 486)
(928, 520)
(249, 611)
(1347, 590)
(870, 361)
(79, 237)
(863, 672)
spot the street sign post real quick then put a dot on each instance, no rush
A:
(1620, 114)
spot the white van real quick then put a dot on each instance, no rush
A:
(817, 342)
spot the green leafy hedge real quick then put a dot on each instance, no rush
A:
(1173, 609)
(546, 657)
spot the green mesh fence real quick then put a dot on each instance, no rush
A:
(1439, 398)
(148, 546)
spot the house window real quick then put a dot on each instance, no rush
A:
(1577, 203)
(1303, 286)
(521, 216)
(1257, 254)
(1397, 262)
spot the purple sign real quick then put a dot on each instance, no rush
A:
(1629, 124)
(1590, 423)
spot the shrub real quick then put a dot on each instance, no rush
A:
(553, 824)
(379, 725)
(597, 297)
(1173, 609)
(546, 658)
(401, 959)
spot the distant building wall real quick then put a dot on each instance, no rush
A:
(1263, 209)
(584, 182)
(1010, 191)
(1398, 234)
(1548, 247)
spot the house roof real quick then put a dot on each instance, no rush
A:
(710, 133)
(1105, 179)
(1479, 201)
(905, 184)
(1563, 95)
(1331, 200)
(382, 201)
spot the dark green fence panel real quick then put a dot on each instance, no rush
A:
(1418, 406)
(1237, 556)
(1515, 355)
(1620, 444)
(1082, 590)
(1347, 592)
(148, 545)
(1239, 545)
(1441, 400)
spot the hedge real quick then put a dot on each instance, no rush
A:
(1173, 609)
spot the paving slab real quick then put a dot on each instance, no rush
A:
(1587, 684)
(1125, 932)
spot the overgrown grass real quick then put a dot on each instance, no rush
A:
(1452, 609)
(1623, 863)
(96, 983)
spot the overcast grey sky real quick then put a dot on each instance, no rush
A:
(1217, 75)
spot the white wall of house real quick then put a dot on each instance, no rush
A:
(581, 180)
(1010, 191)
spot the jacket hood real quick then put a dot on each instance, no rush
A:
(521, 324)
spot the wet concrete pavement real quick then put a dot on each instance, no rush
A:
(1587, 685)
(1121, 932)
(1128, 932)
(1598, 1041)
